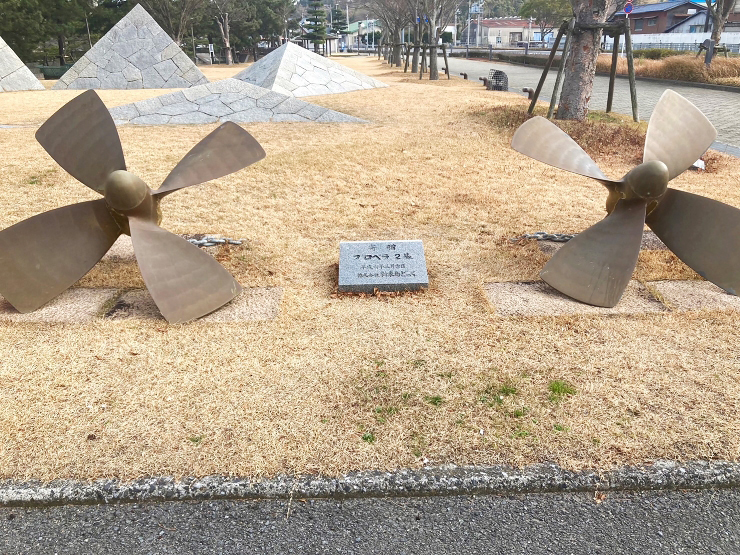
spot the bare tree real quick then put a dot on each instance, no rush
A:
(719, 11)
(583, 52)
(175, 17)
(438, 14)
(395, 16)
(225, 12)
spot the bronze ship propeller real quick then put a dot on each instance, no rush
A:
(44, 255)
(595, 266)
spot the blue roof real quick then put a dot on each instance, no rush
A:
(662, 7)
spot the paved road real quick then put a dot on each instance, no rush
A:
(722, 108)
(559, 524)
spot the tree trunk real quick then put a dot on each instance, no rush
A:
(62, 44)
(223, 26)
(434, 40)
(581, 65)
(579, 74)
(717, 25)
(397, 48)
(417, 41)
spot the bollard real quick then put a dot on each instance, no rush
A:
(465, 75)
(530, 92)
(485, 81)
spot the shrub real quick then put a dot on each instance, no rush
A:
(655, 53)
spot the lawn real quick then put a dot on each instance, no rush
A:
(338, 383)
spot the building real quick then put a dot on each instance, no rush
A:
(364, 29)
(501, 32)
(660, 17)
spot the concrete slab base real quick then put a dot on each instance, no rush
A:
(81, 304)
(650, 242)
(260, 303)
(695, 295)
(75, 305)
(539, 299)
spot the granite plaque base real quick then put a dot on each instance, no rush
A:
(365, 266)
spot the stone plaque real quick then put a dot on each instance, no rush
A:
(384, 265)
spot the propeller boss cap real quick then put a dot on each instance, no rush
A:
(124, 191)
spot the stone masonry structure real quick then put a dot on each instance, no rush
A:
(135, 54)
(295, 71)
(14, 75)
(225, 100)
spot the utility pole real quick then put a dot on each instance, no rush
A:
(468, 41)
(477, 29)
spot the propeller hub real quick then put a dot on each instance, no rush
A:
(124, 191)
(648, 180)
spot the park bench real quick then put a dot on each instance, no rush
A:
(704, 47)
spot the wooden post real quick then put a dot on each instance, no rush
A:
(550, 59)
(447, 64)
(421, 62)
(613, 72)
(631, 69)
(561, 69)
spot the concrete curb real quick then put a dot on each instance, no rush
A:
(431, 481)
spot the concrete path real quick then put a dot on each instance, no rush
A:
(686, 522)
(721, 107)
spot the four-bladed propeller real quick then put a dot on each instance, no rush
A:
(42, 256)
(597, 264)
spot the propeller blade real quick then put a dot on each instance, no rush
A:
(42, 256)
(82, 138)
(542, 140)
(225, 150)
(678, 134)
(596, 265)
(184, 281)
(702, 232)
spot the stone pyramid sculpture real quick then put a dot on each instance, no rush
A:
(135, 54)
(225, 100)
(14, 75)
(295, 71)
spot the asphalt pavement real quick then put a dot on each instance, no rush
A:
(721, 107)
(645, 523)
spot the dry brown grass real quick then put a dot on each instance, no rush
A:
(722, 71)
(420, 374)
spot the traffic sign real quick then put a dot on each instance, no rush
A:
(628, 7)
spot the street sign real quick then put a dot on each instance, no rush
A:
(628, 7)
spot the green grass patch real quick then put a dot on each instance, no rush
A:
(495, 394)
(559, 390)
(435, 400)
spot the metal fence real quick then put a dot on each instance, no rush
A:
(683, 46)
